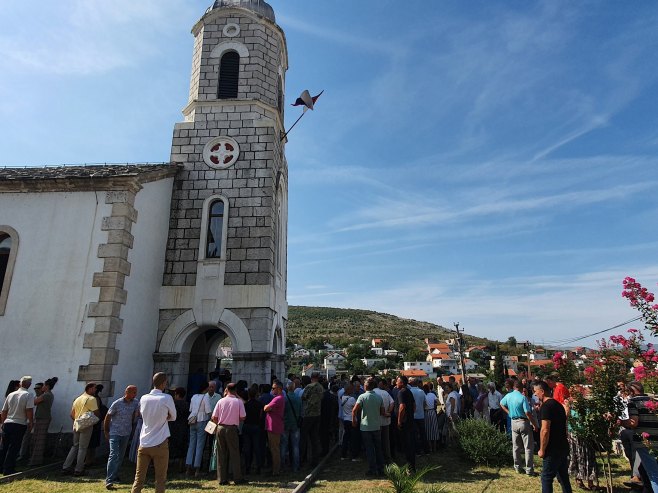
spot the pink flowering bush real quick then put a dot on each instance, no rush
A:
(640, 298)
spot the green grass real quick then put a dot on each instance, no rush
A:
(54, 482)
(456, 473)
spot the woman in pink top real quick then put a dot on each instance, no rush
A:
(274, 425)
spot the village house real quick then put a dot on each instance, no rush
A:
(368, 362)
(443, 363)
(417, 365)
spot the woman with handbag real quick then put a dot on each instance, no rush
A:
(197, 420)
(84, 414)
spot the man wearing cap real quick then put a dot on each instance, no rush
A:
(227, 414)
(156, 409)
(523, 424)
(17, 418)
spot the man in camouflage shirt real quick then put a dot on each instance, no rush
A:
(311, 405)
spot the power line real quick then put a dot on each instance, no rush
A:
(564, 342)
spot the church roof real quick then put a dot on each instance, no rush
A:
(97, 176)
(260, 7)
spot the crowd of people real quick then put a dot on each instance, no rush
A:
(237, 429)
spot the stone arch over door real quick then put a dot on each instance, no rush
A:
(179, 334)
(176, 345)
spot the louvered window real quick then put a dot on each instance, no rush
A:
(229, 74)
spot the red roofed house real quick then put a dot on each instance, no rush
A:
(414, 373)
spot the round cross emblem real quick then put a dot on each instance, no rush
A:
(221, 152)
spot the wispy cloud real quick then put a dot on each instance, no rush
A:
(87, 38)
(345, 38)
(389, 213)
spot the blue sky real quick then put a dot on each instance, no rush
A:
(492, 163)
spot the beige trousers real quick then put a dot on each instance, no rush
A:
(160, 457)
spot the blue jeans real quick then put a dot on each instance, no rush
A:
(118, 446)
(555, 465)
(649, 465)
(290, 442)
(372, 442)
(197, 442)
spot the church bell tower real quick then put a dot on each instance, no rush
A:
(225, 276)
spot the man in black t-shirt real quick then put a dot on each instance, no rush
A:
(554, 447)
(406, 407)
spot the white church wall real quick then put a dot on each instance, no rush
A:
(51, 288)
(137, 342)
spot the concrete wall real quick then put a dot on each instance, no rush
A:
(42, 329)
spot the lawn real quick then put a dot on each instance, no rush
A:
(455, 473)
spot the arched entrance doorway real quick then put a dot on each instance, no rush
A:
(186, 347)
(211, 351)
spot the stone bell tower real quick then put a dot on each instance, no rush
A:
(225, 275)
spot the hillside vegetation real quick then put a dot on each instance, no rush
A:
(337, 325)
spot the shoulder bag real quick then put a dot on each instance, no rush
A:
(85, 420)
(211, 427)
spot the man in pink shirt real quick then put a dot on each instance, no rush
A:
(274, 425)
(228, 413)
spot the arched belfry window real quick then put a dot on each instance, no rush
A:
(229, 75)
(215, 232)
(8, 248)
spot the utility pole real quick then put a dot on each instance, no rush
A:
(460, 348)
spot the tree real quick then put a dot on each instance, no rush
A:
(479, 357)
(511, 341)
(415, 354)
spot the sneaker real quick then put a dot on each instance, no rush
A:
(77, 474)
(531, 474)
(110, 486)
(356, 460)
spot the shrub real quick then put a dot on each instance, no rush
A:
(483, 443)
(404, 481)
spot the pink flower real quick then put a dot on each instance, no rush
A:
(645, 435)
(651, 405)
(639, 372)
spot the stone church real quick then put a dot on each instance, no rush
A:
(110, 273)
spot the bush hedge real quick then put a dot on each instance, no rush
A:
(483, 443)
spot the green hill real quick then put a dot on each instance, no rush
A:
(308, 324)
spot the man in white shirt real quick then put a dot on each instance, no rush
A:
(495, 412)
(351, 440)
(156, 409)
(17, 419)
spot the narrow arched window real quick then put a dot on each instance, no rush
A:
(5, 250)
(215, 229)
(280, 97)
(8, 246)
(229, 75)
